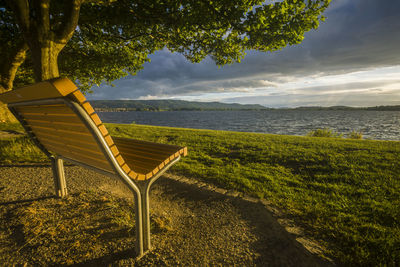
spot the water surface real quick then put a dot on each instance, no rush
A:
(379, 125)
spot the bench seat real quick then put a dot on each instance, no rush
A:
(147, 158)
(63, 124)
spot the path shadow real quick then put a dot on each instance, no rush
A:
(26, 200)
(271, 244)
(106, 260)
(27, 165)
(274, 245)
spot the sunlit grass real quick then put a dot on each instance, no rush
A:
(344, 193)
(21, 149)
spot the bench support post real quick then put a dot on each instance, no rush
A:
(59, 177)
(139, 227)
(143, 206)
(146, 215)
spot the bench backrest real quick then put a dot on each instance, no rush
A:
(48, 111)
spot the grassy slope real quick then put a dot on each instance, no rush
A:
(345, 193)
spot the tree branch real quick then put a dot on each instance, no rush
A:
(69, 22)
(42, 12)
(21, 13)
(9, 67)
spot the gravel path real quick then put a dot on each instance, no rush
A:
(198, 226)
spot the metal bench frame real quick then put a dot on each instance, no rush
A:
(140, 189)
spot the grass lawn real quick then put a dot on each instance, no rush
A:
(344, 193)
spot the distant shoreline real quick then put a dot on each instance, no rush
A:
(344, 108)
(182, 105)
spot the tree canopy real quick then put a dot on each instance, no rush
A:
(96, 41)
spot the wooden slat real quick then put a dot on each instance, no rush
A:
(133, 174)
(44, 109)
(114, 150)
(96, 119)
(120, 160)
(145, 152)
(81, 157)
(141, 177)
(78, 96)
(109, 140)
(153, 149)
(61, 133)
(86, 149)
(49, 89)
(134, 161)
(82, 140)
(52, 142)
(76, 127)
(142, 170)
(145, 157)
(121, 140)
(126, 168)
(86, 106)
(70, 118)
(103, 130)
(95, 154)
(71, 144)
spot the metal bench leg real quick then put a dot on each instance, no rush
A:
(144, 191)
(139, 224)
(142, 214)
(146, 216)
(59, 177)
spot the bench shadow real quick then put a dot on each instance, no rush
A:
(22, 201)
(33, 165)
(26, 165)
(274, 246)
(106, 259)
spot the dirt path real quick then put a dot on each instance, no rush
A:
(192, 226)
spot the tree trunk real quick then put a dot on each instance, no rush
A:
(45, 43)
(44, 57)
(9, 67)
(5, 114)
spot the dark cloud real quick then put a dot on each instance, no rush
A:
(352, 86)
(357, 35)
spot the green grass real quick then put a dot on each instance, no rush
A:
(21, 149)
(344, 193)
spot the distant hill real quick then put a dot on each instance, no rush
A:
(170, 105)
(166, 105)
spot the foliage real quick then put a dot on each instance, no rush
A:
(119, 43)
(344, 193)
(325, 132)
(355, 135)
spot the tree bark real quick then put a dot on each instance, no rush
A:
(5, 114)
(44, 58)
(9, 67)
(44, 42)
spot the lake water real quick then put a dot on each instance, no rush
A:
(379, 125)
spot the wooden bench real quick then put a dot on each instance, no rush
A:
(60, 121)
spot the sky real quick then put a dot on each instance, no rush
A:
(352, 59)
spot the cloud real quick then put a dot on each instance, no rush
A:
(356, 98)
(358, 35)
